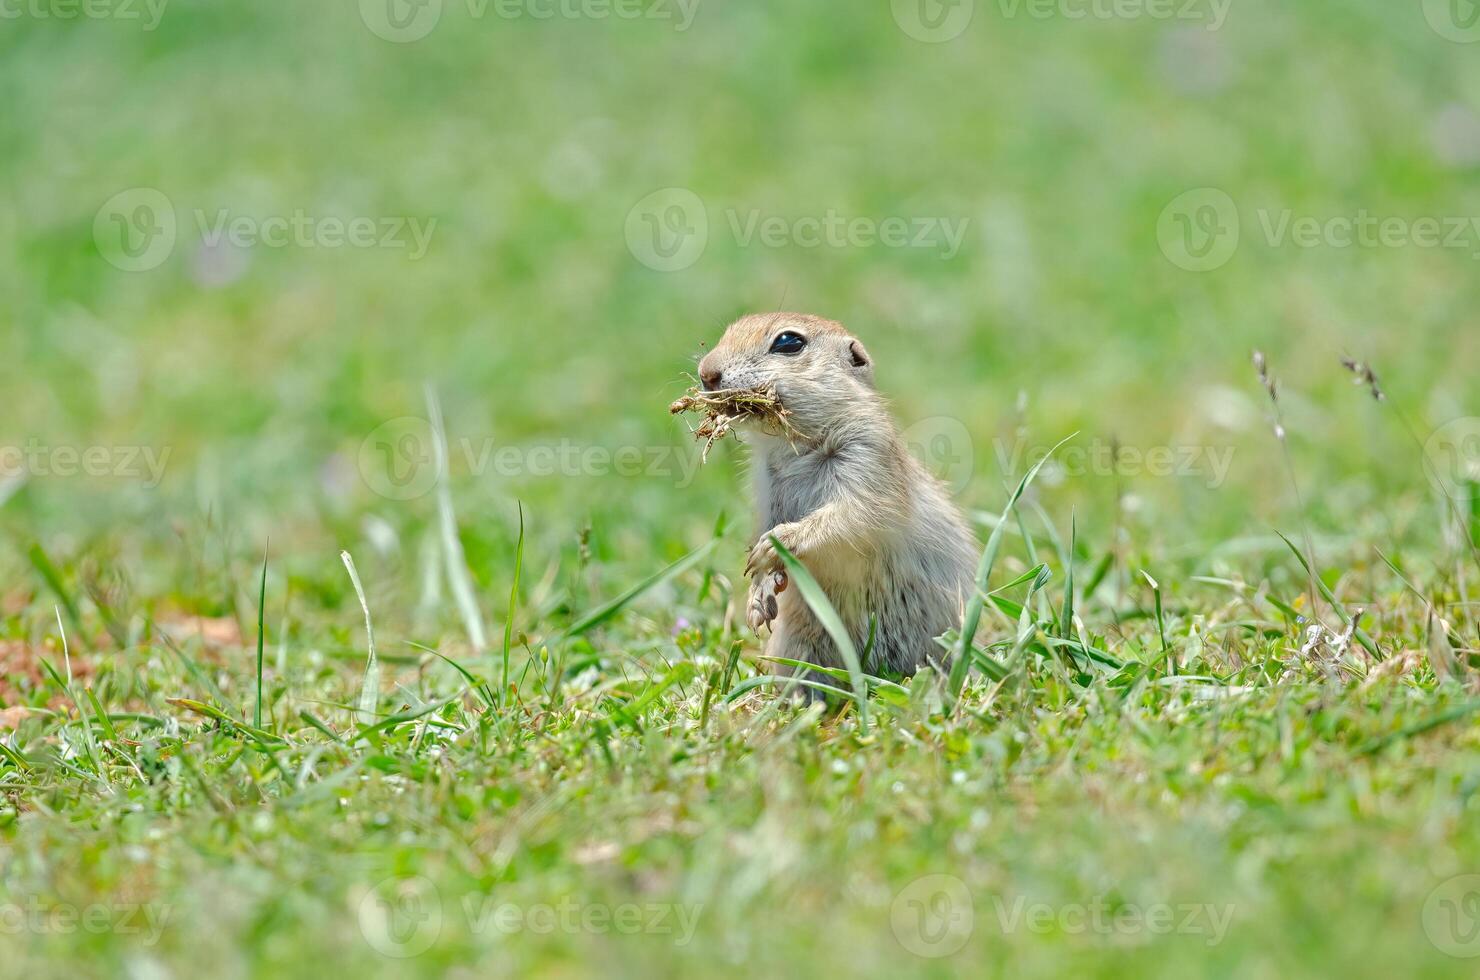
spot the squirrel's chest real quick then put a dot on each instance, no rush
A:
(791, 485)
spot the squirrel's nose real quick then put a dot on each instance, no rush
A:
(710, 376)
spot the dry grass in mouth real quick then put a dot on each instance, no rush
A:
(722, 409)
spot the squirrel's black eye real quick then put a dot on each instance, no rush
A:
(788, 342)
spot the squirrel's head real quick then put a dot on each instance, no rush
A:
(817, 368)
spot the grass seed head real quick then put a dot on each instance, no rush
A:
(1362, 374)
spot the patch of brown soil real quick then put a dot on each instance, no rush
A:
(21, 671)
(217, 631)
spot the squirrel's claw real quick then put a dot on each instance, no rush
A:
(764, 607)
(763, 558)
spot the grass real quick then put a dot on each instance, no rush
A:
(1202, 762)
(1220, 713)
(721, 409)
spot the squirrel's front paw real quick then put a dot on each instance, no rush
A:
(763, 557)
(763, 608)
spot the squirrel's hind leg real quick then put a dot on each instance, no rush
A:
(786, 644)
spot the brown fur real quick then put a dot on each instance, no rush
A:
(877, 531)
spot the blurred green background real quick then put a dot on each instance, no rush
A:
(1122, 181)
(1056, 140)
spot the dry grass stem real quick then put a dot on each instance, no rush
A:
(722, 409)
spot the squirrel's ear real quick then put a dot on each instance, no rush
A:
(859, 361)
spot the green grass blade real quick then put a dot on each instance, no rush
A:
(261, 607)
(458, 576)
(65, 686)
(104, 722)
(840, 674)
(503, 691)
(479, 687)
(629, 712)
(1028, 576)
(201, 678)
(1362, 637)
(973, 614)
(370, 685)
(771, 680)
(601, 614)
(315, 722)
(14, 757)
(823, 609)
(1098, 575)
(1161, 626)
(873, 633)
(386, 724)
(53, 579)
(1066, 617)
(1418, 728)
(216, 714)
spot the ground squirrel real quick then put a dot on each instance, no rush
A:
(843, 493)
